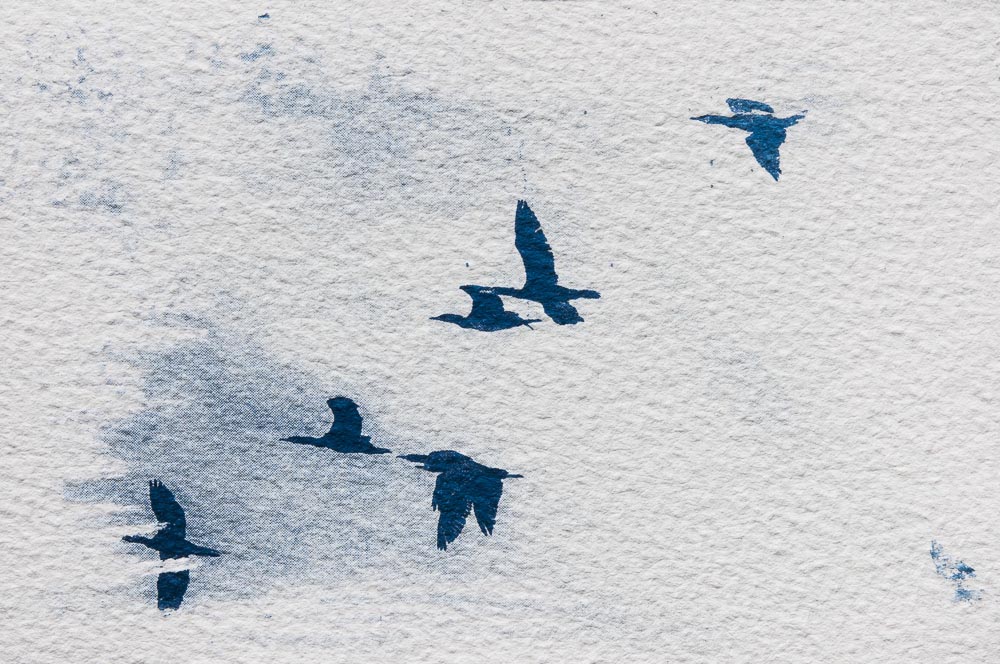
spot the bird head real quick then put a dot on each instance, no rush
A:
(437, 462)
(449, 318)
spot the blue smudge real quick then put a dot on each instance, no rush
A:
(259, 52)
(767, 132)
(954, 570)
(264, 16)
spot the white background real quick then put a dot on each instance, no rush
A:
(786, 391)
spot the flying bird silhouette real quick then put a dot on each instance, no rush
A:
(488, 314)
(767, 132)
(170, 542)
(462, 485)
(541, 283)
(345, 433)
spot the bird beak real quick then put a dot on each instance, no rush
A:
(415, 458)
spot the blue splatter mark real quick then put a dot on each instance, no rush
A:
(767, 132)
(541, 284)
(462, 486)
(954, 570)
(264, 16)
(259, 52)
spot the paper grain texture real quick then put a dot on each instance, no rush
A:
(772, 438)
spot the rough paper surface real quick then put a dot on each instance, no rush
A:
(771, 438)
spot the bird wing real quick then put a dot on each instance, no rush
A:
(346, 420)
(452, 500)
(764, 146)
(166, 508)
(485, 304)
(486, 493)
(536, 254)
(170, 589)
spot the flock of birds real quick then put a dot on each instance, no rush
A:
(463, 486)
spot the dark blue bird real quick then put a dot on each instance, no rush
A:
(170, 542)
(345, 433)
(541, 283)
(767, 132)
(488, 314)
(462, 486)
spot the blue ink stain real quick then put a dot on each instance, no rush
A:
(954, 570)
(462, 486)
(264, 16)
(259, 52)
(767, 132)
(541, 284)
(488, 314)
(170, 542)
(345, 433)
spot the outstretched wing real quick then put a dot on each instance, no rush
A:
(170, 589)
(451, 499)
(764, 145)
(346, 418)
(485, 304)
(166, 508)
(485, 496)
(536, 254)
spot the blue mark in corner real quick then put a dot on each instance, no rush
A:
(956, 571)
(462, 486)
(541, 284)
(767, 132)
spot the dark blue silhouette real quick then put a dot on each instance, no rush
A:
(488, 314)
(541, 283)
(170, 542)
(463, 485)
(345, 433)
(170, 589)
(767, 132)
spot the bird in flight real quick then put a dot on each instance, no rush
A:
(767, 132)
(345, 433)
(462, 486)
(170, 542)
(541, 283)
(488, 314)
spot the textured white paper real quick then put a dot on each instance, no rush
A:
(212, 222)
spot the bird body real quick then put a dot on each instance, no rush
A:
(541, 284)
(462, 486)
(345, 433)
(488, 313)
(170, 542)
(767, 132)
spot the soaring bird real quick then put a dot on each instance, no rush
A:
(170, 542)
(541, 283)
(488, 314)
(462, 485)
(345, 433)
(767, 132)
